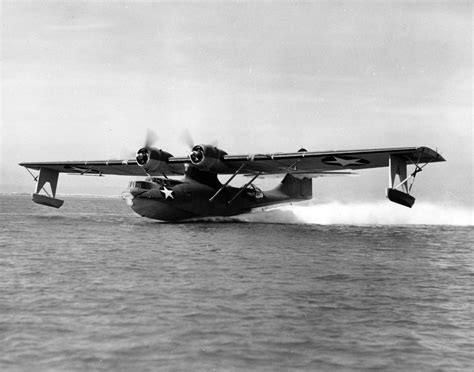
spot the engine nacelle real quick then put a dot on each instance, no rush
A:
(153, 160)
(208, 158)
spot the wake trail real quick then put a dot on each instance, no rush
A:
(381, 213)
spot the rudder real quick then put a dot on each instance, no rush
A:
(297, 188)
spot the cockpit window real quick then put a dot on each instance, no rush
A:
(154, 182)
(254, 192)
(163, 181)
(143, 185)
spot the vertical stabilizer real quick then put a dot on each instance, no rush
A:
(297, 188)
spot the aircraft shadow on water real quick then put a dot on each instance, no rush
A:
(199, 193)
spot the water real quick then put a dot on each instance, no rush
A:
(94, 287)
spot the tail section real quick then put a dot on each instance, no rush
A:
(297, 188)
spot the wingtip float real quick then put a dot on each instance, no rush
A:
(199, 193)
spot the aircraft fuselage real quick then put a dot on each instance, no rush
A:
(166, 199)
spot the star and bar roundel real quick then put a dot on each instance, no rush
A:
(344, 161)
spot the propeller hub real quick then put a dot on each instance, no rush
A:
(197, 154)
(142, 156)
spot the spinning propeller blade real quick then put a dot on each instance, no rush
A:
(187, 139)
(151, 138)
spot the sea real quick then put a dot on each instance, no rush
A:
(94, 287)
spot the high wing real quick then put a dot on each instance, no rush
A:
(304, 162)
(205, 159)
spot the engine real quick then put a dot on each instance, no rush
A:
(208, 158)
(153, 160)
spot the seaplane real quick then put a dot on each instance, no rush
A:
(188, 187)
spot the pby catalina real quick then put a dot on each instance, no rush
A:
(199, 193)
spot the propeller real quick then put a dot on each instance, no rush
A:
(127, 153)
(187, 139)
(150, 138)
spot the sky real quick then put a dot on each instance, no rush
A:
(83, 80)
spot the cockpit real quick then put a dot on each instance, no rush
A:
(254, 192)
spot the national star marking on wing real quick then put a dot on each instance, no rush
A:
(344, 162)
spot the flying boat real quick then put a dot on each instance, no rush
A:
(188, 187)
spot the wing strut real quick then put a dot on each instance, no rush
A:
(244, 187)
(226, 183)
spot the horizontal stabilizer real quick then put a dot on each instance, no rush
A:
(400, 197)
(48, 201)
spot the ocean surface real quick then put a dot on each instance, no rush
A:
(92, 286)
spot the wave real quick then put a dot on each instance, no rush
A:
(381, 213)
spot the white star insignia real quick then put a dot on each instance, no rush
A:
(167, 193)
(345, 162)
